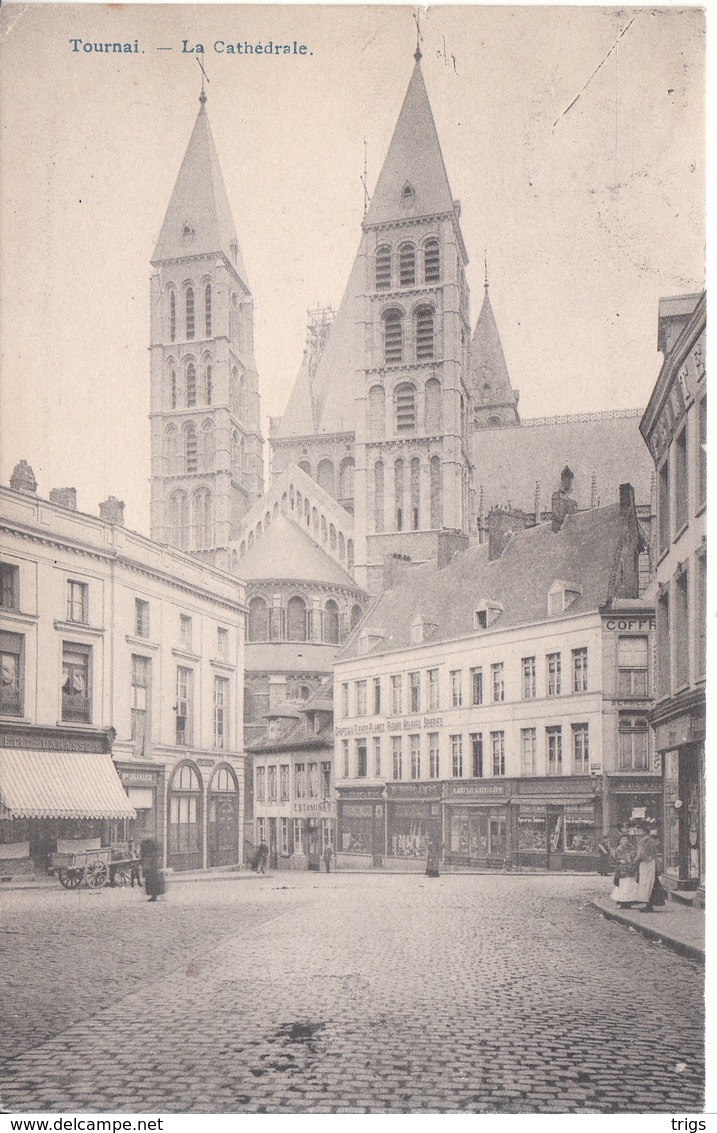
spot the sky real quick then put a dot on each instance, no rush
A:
(579, 165)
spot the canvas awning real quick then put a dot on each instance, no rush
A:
(61, 784)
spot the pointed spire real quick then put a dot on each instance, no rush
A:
(413, 180)
(199, 220)
(491, 381)
(485, 261)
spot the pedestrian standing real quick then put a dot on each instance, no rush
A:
(134, 865)
(646, 865)
(432, 869)
(154, 883)
(328, 854)
(263, 856)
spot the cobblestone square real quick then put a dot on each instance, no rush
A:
(296, 993)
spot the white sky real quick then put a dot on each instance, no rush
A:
(586, 223)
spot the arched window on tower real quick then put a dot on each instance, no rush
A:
(405, 404)
(346, 479)
(376, 413)
(433, 407)
(258, 620)
(208, 387)
(178, 517)
(208, 310)
(208, 446)
(383, 268)
(393, 336)
(171, 451)
(172, 315)
(189, 311)
(378, 488)
(415, 493)
(431, 262)
(190, 447)
(436, 504)
(407, 265)
(326, 477)
(191, 383)
(234, 320)
(398, 492)
(242, 398)
(331, 622)
(173, 388)
(296, 619)
(203, 533)
(236, 457)
(425, 345)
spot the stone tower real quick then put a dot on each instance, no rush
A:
(207, 460)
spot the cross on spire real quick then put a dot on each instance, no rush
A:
(202, 97)
(417, 17)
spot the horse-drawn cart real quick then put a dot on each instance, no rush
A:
(95, 867)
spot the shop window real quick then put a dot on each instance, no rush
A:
(477, 755)
(580, 670)
(414, 681)
(528, 752)
(632, 666)
(433, 698)
(663, 505)
(581, 751)
(434, 756)
(221, 712)
(11, 673)
(76, 681)
(529, 682)
(415, 745)
(9, 587)
(141, 669)
(184, 720)
(377, 756)
(457, 757)
(383, 268)
(431, 262)
(77, 604)
(396, 695)
(456, 687)
(498, 678)
(141, 617)
(397, 756)
(376, 696)
(476, 686)
(633, 744)
(554, 682)
(681, 480)
(361, 699)
(579, 830)
(393, 336)
(300, 783)
(497, 740)
(554, 742)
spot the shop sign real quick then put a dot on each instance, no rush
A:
(357, 810)
(637, 624)
(413, 790)
(319, 806)
(673, 733)
(359, 792)
(476, 790)
(376, 728)
(138, 777)
(635, 786)
(205, 762)
(51, 743)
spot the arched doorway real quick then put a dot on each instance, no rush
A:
(223, 818)
(184, 843)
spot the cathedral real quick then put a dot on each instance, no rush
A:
(400, 435)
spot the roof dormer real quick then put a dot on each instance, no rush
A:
(486, 612)
(561, 595)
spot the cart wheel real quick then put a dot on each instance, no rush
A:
(96, 874)
(69, 878)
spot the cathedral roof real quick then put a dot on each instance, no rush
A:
(199, 201)
(283, 550)
(298, 419)
(491, 381)
(414, 160)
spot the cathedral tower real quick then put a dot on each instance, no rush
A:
(207, 460)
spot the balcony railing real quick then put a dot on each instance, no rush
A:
(11, 701)
(76, 709)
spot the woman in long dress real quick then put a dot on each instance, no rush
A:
(153, 874)
(646, 864)
(626, 890)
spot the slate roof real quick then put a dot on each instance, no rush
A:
(200, 200)
(296, 735)
(583, 551)
(510, 460)
(285, 551)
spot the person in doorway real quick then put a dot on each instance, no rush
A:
(626, 891)
(645, 865)
(328, 854)
(150, 860)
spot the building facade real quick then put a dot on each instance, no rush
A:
(114, 644)
(294, 800)
(674, 427)
(498, 706)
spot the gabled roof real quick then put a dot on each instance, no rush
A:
(199, 200)
(285, 551)
(491, 381)
(299, 419)
(585, 549)
(414, 158)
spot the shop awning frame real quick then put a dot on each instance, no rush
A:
(61, 784)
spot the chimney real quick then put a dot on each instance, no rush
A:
(501, 525)
(23, 479)
(627, 499)
(561, 502)
(112, 511)
(65, 497)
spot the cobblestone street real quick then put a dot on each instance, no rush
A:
(348, 993)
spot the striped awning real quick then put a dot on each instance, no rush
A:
(61, 784)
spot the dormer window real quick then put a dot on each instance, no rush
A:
(486, 613)
(187, 234)
(408, 194)
(561, 595)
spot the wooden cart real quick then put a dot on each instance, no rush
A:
(94, 867)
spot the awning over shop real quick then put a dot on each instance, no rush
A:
(552, 800)
(61, 784)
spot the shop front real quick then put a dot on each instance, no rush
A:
(634, 799)
(413, 823)
(361, 827)
(145, 789)
(476, 824)
(314, 829)
(681, 744)
(556, 823)
(223, 817)
(58, 790)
